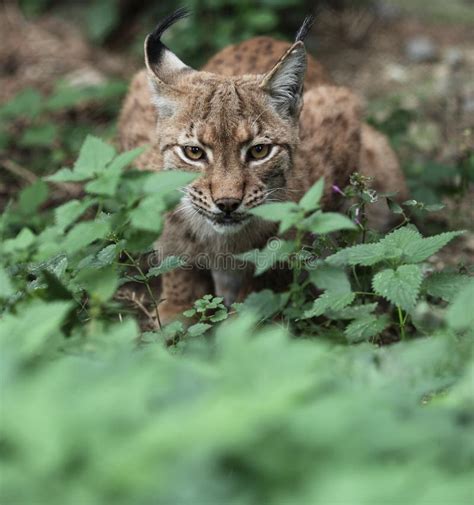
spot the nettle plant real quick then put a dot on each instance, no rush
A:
(82, 254)
(379, 290)
(88, 247)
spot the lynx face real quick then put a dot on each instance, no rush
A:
(239, 133)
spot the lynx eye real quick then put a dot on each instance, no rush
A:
(259, 151)
(194, 153)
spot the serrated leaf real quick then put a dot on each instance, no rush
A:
(101, 284)
(326, 222)
(416, 252)
(330, 278)
(445, 285)
(161, 183)
(126, 158)
(21, 242)
(67, 175)
(66, 214)
(329, 301)
(276, 211)
(148, 215)
(276, 251)
(311, 199)
(105, 183)
(363, 254)
(84, 234)
(198, 329)
(401, 286)
(94, 156)
(395, 244)
(168, 264)
(366, 327)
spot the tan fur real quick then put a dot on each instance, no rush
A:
(224, 107)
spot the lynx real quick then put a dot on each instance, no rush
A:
(260, 122)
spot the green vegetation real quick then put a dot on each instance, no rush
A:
(267, 402)
(355, 386)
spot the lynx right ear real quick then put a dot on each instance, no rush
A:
(163, 65)
(284, 82)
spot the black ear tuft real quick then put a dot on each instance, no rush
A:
(305, 28)
(154, 46)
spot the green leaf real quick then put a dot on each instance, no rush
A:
(198, 329)
(6, 288)
(21, 242)
(168, 264)
(366, 327)
(394, 206)
(396, 243)
(310, 201)
(126, 158)
(416, 252)
(189, 313)
(28, 103)
(32, 197)
(333, 301)
(161, 183)
(94, 156)
(354, 312)
(327, 222)
(445, 285)
(264, 303)
(400, 287)
(68, 213)
(39, 136)
(276, 251)
(330, 278)
(220, 315)
(32, 330)
(275, 211)
(101, 284)
(67, 175)
(363, 254)
(460, 314)
(148, 215)
(84, 234)
(106, 183)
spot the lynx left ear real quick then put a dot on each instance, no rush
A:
(284, 82)
(160, 61)
(163, 65)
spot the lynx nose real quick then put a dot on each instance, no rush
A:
(227, 205)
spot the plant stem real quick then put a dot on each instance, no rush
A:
(401, 320)
(147, 285)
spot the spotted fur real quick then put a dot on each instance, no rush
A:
(248, 94)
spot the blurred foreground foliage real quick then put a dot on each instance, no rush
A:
(250, 417)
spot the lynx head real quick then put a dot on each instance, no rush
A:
(239, 133)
